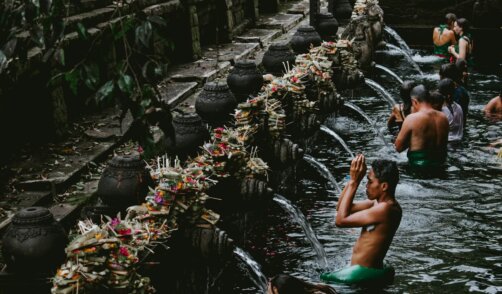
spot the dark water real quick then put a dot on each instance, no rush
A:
(450, 238)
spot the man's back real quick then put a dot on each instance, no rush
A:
(374, 241)
(428, 130)
(494, 107)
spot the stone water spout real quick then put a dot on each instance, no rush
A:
(359, 31)
(287, 151)
(365, 31)
(346, 72)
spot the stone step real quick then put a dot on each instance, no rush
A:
(302, 8)
(232, 52)
(56, 167)
(175, 92)
(200, 71)
(281, 21)
(261, 36)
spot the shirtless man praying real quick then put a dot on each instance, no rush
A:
(378, 216)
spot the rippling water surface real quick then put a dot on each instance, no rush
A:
(450, 238)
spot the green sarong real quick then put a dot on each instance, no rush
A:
(357, 274)
(443, 49)
(426, 158)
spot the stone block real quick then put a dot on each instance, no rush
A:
(282, 21)
(174, 93)
(261, 36)
(200, 71)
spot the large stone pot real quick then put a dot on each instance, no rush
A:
(277, 54)
(244, 80)
(124, 182)
(189, 134)
(327, 26)
(342, 10)
(210, 241)
(215, 104)
(34, 242)
(305, 37)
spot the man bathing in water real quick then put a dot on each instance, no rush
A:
(379, 216)
(494, 108)
(424, 133)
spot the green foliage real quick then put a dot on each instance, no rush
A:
(119, 62)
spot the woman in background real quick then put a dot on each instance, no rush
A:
(463, 49)
(443, 36)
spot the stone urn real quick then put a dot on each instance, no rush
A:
(34, 242)
(124, 182)
(327, 26)
(277, 54)
(215, 104)
(189, 134)
(245, 79)
(305, 37)
(210, 241)
(342, 10)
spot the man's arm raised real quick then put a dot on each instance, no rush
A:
(345, 206)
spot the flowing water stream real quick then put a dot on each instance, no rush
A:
(402, 44)
(298, 216)
(363, 114)
(254, 269)
(323, 170)
(408, 58)
(381, 91)
(337, 137)
(390, 72)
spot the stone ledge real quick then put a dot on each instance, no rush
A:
(55, 170)
(282, 21)
(261, 36)
(232, 52)
(200, 71)
(302, 8)
(174, 93)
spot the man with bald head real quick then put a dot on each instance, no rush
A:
(424, 133)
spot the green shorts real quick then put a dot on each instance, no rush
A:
(426, 158)
(357, 274)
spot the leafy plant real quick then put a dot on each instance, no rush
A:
(122, 63)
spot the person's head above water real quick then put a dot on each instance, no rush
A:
(405, 90)
(449, 70)
(382, 178)
(286, 284)
(420, 93)
(437, 100)
(447, 88)
(450, 19)
(462, 26)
